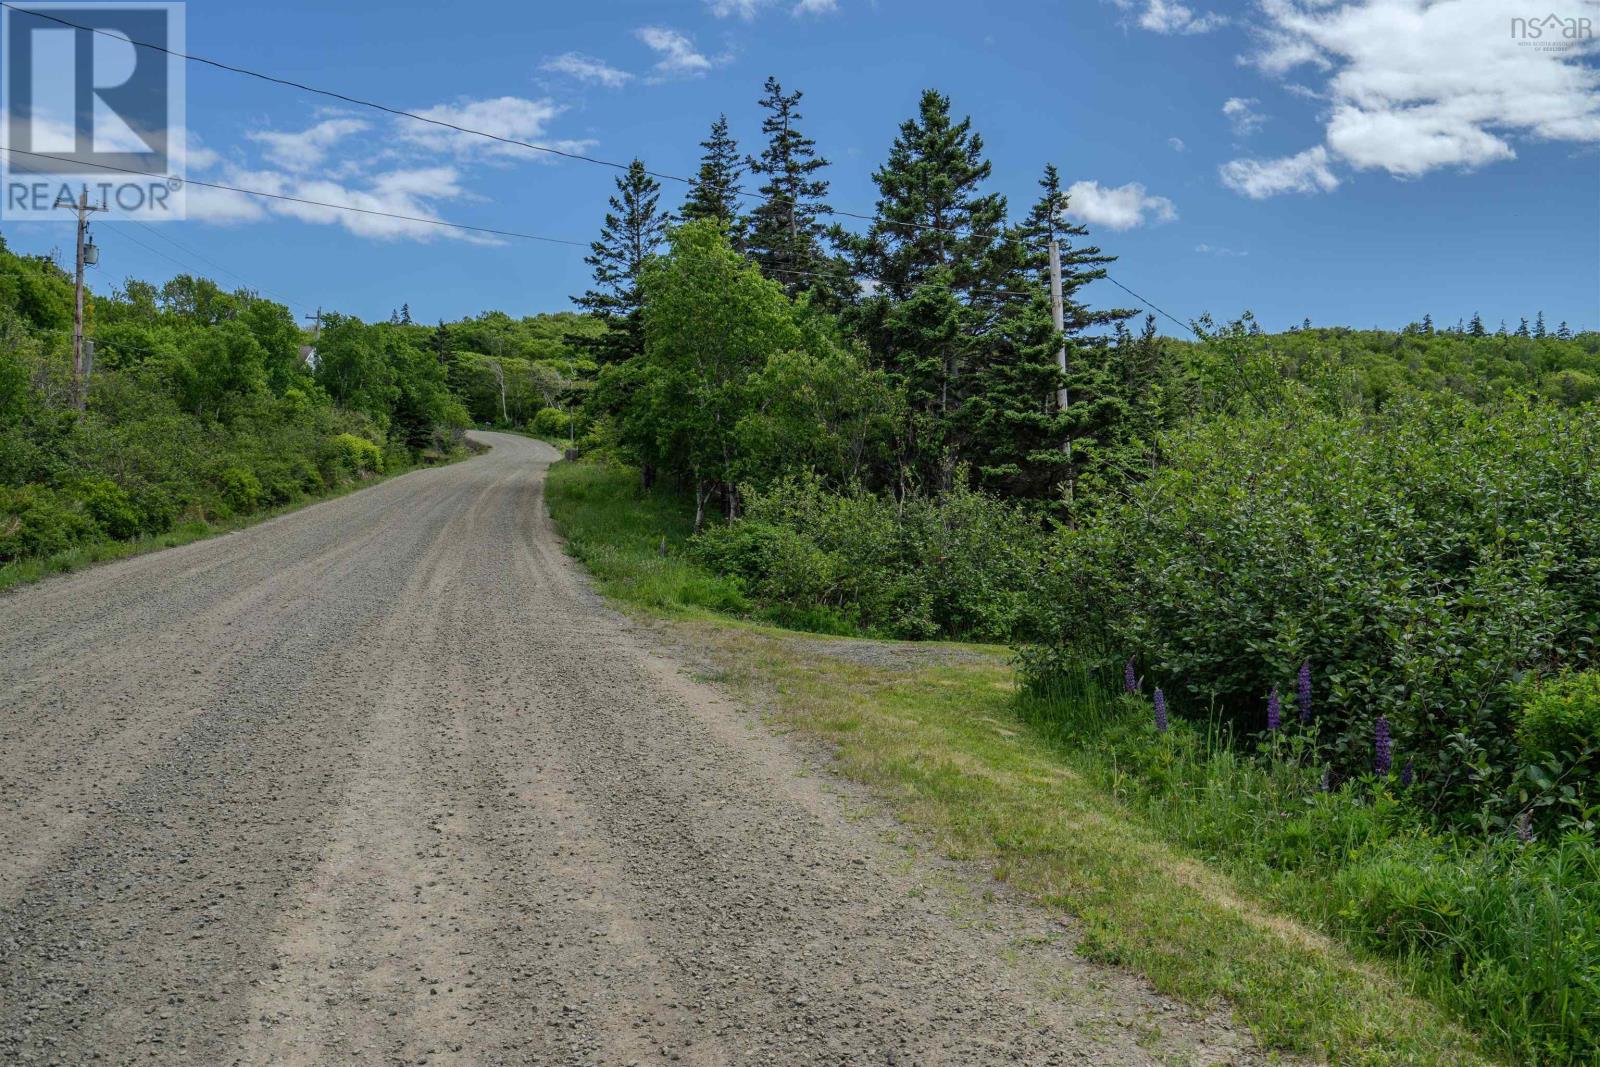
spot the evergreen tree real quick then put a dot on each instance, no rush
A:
(1475, 328)
(1563, 332)
(1522, 330)
(715, 192)
(939, 255)
(1501, 332)
(1538, 326)
(633, 230)
(783, 234)
(1427, 325)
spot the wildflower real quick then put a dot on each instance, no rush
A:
(1327, 779)
(1274, 711)
(1382, 747)
(1303, 692)
(1525, 827)
(1407, 773)
(1161, 711)
(1130, 681)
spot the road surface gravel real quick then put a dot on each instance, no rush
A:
(382, 781)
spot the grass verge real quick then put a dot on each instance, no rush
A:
(955, 753)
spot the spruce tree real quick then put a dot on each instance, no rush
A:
(1563, 332)
(1427, 325)
(633, 230)
(784, 236)
(1475, 328)
(937, 257)
(715, 192)
(1538, 326)
(1522, 330)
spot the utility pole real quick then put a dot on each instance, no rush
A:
(1058, 312)
(80, 369)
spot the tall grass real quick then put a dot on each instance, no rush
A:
(1505, 933)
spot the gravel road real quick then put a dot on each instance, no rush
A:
(382, 781)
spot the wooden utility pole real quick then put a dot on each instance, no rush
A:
(1058, 313)
(80, 369)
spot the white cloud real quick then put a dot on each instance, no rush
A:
(308, 148)
(1169, 16)
(411, 191)
(677, 51)
(1415, 85)
(816, 7)
(512, 117)
(1122, 207)
(1176, 144)
(1307, 172)
(745, 9)
(586, 69)
(1213, 250)
(1242, 115)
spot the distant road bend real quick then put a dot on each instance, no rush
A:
(381, 781)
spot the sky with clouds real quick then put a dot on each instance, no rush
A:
(1359, 162)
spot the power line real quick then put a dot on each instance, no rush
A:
(154, 232)
(334, 94)
(414, 116)
(248, 287)
(302, 200)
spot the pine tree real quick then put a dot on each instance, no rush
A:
(1427, 325)
(715, 192)
(783, 234)
(1538, 326)
(1522, 330)
(633, 230)
(1563, 332)
(1475, 328)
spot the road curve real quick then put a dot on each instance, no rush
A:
(380, 780)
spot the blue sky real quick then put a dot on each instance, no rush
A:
(1356, 163)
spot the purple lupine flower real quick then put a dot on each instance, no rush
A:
(1161, 711)
(1525, 827)
(1274, 711)
(1130, 681)
(1407, 774)
(1303, 692)
(1381, 746)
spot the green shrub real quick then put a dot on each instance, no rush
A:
(550, 422)
(357, 454)
(38, 521)
(1421, 560)
(240, 490)
(1561, 715)
(109, 505)
(967, 565)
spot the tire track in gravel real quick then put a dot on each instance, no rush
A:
(382, 781)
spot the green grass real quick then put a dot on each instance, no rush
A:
(992, 777)
(32, 568)
(632, 541)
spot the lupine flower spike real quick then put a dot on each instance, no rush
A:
(1130, 681)
(1408, 773)
(1274, 711)
(1303, 692)
(1381, 747)
(1327, 779)
(1161, 711)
